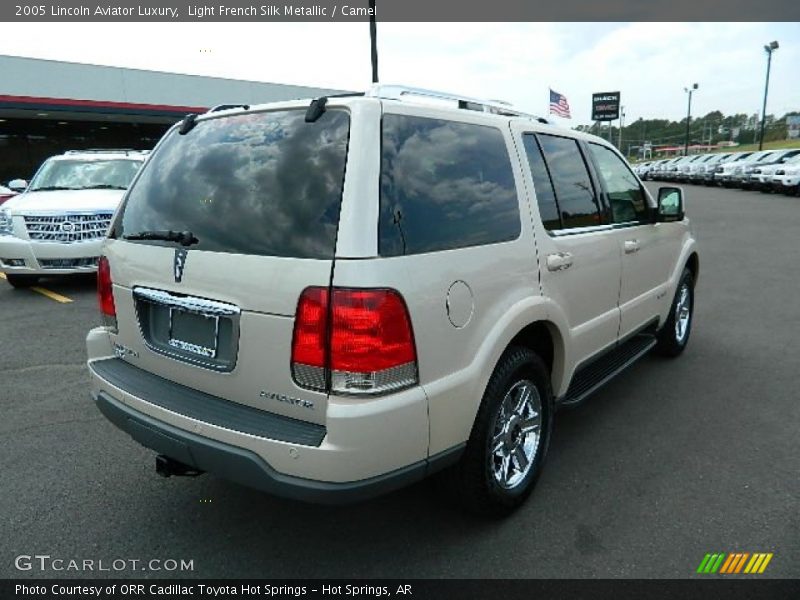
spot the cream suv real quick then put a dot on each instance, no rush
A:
(328, 300)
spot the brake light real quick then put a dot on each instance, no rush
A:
(367, 349)
(310, 328)
(105, 294)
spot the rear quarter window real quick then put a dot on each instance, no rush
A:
(444, 185)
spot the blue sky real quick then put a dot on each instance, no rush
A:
(650, 63)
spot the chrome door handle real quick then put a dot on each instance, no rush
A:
(559, 261)
(631, 246)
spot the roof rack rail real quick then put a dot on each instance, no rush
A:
(219, 107)
(107, 151)
(496, 107)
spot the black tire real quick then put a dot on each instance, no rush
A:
(671, 342)
(22, 281)
(472, 480)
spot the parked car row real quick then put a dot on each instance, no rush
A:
(767, 170)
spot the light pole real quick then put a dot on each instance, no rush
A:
(688, 117)
(769, 48)
(373, 38)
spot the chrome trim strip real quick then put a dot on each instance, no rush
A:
(61, 212)
(577, 230)
(202, 306)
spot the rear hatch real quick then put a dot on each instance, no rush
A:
(216, 240)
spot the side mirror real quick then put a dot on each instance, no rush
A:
(18, 185)
(670, 205)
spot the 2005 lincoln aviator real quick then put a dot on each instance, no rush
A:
(330, 299)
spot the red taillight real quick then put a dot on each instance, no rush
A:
(104, 291)
(371, 331)
(369, 347)
(310, 328)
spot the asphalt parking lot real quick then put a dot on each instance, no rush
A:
(671, 461)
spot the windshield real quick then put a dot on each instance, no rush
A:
(265, 183)
(60, 174)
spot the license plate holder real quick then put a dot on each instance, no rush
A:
(193, 332)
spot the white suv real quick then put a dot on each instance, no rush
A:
(329, 300)
(57, 225)
(787, 179)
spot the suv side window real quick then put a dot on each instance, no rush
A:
(625, 194)
(545, 196)
(573, 186)
(444, 185)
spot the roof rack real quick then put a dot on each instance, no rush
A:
(496, 107)
(220, 107)
(125, 151)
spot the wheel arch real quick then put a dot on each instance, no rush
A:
(693, 264)
(545, 339)
(533, 322)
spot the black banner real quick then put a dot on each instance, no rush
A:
(605, 106)
(501, 589)
(398, 10)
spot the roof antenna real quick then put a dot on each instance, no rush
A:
(188, 123)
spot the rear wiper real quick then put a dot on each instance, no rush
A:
(184, 238)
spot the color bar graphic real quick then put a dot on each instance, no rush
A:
(734, 563)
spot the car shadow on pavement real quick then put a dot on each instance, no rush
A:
(70, 284)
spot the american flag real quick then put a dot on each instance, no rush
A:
(559, 105)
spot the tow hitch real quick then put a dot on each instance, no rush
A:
(166, 467)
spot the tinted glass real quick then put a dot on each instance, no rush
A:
(262, 183)
(573, 186)
(444, 185)
(85, 174)
(625, 194)
(545, 197)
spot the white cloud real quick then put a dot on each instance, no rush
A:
(650, 63)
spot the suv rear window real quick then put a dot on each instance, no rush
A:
(444, 185)
(262, 183)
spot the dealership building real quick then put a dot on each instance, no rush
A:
(47, 107)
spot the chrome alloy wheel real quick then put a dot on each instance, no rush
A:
(683, 313)
(516, 435)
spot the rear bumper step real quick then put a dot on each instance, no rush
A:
(193, 452)
(245, 467)
(205, 407)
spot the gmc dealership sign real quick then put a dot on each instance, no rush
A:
(605, 106)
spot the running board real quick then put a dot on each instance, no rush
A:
(600, 371)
